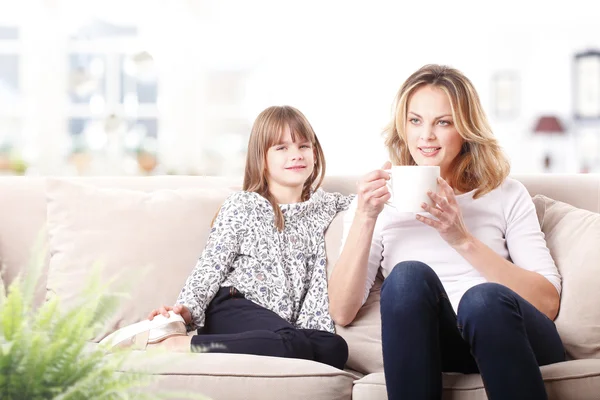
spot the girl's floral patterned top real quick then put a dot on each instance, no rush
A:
(284, 272)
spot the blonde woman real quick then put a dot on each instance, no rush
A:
(260, 286)
(470, 285)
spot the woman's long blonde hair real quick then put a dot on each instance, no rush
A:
(481, 163)
(266, 132)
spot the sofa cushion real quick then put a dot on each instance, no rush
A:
(363, 335)
(23, 215)
(148, 242)
(22, 234)
(571, 380)
(573, 237)
(241, 376)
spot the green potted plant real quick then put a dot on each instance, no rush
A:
(45, 352)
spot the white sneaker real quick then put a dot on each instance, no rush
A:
(145, 332)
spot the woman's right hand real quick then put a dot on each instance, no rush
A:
(178, 309)
(373, 192)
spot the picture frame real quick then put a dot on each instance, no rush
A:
(505, 94)
(586, 85)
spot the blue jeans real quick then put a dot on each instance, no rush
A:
(496, 333)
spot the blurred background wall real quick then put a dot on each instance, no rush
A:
(171, 87)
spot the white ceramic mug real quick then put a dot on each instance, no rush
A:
(409, 185)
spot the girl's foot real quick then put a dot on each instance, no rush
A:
(143, 333)
(174, 343)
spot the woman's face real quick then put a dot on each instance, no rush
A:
(431, 136)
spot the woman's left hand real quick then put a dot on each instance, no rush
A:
(449, 223)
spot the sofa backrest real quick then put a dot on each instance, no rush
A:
(23, 202)
(23, 211)
(579, 190)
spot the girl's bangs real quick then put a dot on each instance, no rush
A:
(298, 131)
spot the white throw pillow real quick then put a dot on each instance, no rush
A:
(149, 240)
(573, 237)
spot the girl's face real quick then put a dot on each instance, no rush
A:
(289, 164)
(431, 136)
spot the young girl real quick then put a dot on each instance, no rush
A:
(260, 286)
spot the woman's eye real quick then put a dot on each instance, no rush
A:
(444, 123)
(414, 121)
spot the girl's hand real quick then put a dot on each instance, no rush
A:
(449, 223)
(373, 192)
(178, 309)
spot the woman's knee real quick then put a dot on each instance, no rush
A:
(485, 303)
(408, 278)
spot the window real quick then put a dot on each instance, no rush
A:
(11, 115)
(113, 93)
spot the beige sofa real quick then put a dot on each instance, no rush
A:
(151, 230)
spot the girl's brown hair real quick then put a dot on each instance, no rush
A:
(481, 163)
(267, 131)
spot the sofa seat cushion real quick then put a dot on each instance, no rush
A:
(239, 376)
(576, 380)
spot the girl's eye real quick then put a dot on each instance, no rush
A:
(305, 146)
(280, 148)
